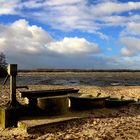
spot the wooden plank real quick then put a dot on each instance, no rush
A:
(44, 93)
(30, 123)
(29, 127)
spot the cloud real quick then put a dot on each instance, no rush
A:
(109, 8)
(126, 52)
(31, 46)
(32, 39)
(20, 37)
(83, 15)
(120, 21)
(87, 16)
(130, 38)
(131, 46)
(73, 46)
(8, 7)
(132, 28)
(22, 41)
(127, 62)
(63, 2)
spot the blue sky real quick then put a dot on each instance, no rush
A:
(87, 34)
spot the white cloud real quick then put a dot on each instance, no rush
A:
(75, 14)
(109, 8)
(73, 46)
(33, 39)
(26, 44)
(127, 62)
(130, 38)
(62, 2)
(20, 37)
(32, 47)
(132, 46)
(132, 28)
(87, 18)
(126, 52)
(123, 21)
(8, 7)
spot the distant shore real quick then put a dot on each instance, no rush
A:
(78, 70)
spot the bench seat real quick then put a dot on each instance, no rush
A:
(46, 93)
(34, 95)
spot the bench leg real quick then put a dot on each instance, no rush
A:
(32, 102)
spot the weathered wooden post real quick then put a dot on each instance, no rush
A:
(12, 71)
(10, 113)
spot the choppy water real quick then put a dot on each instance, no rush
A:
(30, 80)
(99, 79)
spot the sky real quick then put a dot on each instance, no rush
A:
(77, 34)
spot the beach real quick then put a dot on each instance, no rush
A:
(101, 124)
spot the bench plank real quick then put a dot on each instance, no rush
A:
(45, 93)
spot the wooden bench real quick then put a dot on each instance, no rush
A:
(33, 95)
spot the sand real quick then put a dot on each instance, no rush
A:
(103, 124)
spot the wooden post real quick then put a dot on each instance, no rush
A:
(10, 114)
(12, 71)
